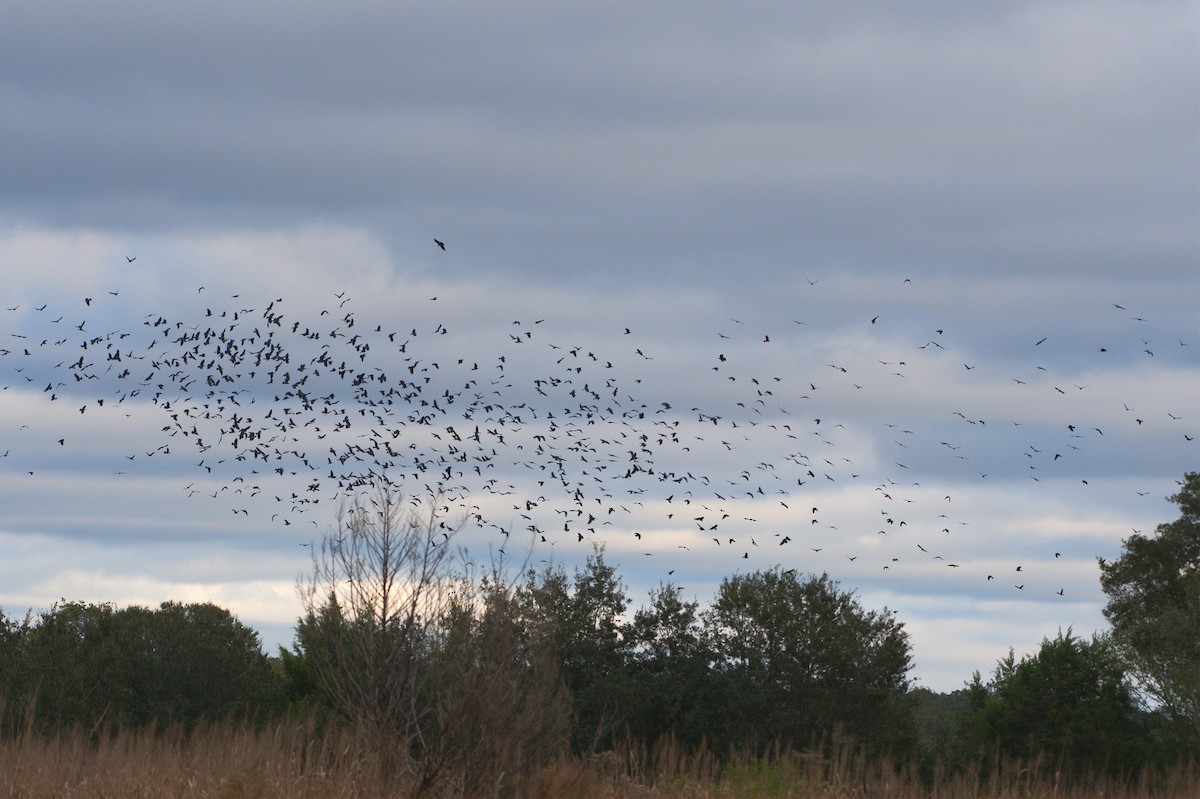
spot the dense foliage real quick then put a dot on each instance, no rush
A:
(804, 657)
(98, 666)
(1154, 606)
(1070, 701)
(778, 657)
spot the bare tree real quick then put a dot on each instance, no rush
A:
(452, 683)
(379, 588)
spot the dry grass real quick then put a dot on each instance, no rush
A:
(839, 770)
(297, 759)
(287, 759)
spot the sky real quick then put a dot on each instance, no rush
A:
(905, 294)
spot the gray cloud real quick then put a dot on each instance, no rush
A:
(943, 142)
(1004, 175)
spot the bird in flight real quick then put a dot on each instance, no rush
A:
(208, 371)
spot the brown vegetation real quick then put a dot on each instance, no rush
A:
(297, 758)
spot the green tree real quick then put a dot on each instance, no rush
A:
(188, 662)
(805, 658)
(669, 669)
(1154, 606)
(943, 724)
(13, 636)
(75, 668)
(1070, 701)
(300, 685)
(587, 616)
(94, 665)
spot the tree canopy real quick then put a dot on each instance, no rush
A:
(811, 657)
(96, 665)
(1154, 606)
(1069, 701)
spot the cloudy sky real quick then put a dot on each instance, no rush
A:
(875, 290)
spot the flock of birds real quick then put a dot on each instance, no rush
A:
(280, 415)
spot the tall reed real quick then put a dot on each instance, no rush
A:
(299, 757)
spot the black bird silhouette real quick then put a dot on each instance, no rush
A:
(337, 406)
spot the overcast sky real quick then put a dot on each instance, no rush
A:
(964, 238)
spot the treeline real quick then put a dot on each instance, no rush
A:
(97, 667)
(448, 675)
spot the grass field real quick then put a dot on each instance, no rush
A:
(296, 759)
